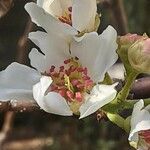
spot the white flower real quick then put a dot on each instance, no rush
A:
(73, 87)
(64, 17)
(140, 126)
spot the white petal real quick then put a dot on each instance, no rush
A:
(38, 61)
(51, 102)
(83, 14)
(140, 120)
(56, 50)
(100, 96)
(55, 7)
(97, 53)
(16, 82)
(117, 71)
(48, 22)
(65, 4)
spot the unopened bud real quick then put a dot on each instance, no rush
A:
(129, 38)
(139, 55)
(125, 43)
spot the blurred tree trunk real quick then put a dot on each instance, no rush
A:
(146, 12)
(5, 6)
(117, 15)
(22, 52)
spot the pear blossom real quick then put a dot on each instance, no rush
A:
(65, 78)
(67, 18)
(140, 126)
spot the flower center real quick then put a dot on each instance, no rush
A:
(71, 81)
(145, 135)
(67, 16)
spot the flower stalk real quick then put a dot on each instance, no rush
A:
(116, 119)
(119, 102)
(123, 94)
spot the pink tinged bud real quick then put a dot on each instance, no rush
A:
(146, 48)
(139, 55)
(129, 38)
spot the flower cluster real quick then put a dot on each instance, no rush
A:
(73, 61)
(70, 70)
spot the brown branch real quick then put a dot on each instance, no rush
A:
(140, 89)
(7, 126)
(19, 106)
(5, 6)
(28, 144)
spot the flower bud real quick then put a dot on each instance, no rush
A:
(139, 55)
(129, 39)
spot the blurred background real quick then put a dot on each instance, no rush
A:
(43, 131)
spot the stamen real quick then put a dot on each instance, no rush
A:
(71, 80)
(78, 96)
(70, 95)
(74, 82)
(70, 9)
(52, 69)
(76, 58)
(55, 74)
(72, 68)
(86, 78)
(70, 17)
(145, 135)
(54, 87)
(61, 69)
(88, 82)
(67, 61)
(62, 92)
(80, 69)
(80, 86)
(67, 16)
(64, 20)
(85, 71)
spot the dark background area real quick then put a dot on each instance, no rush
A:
(42, 131)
